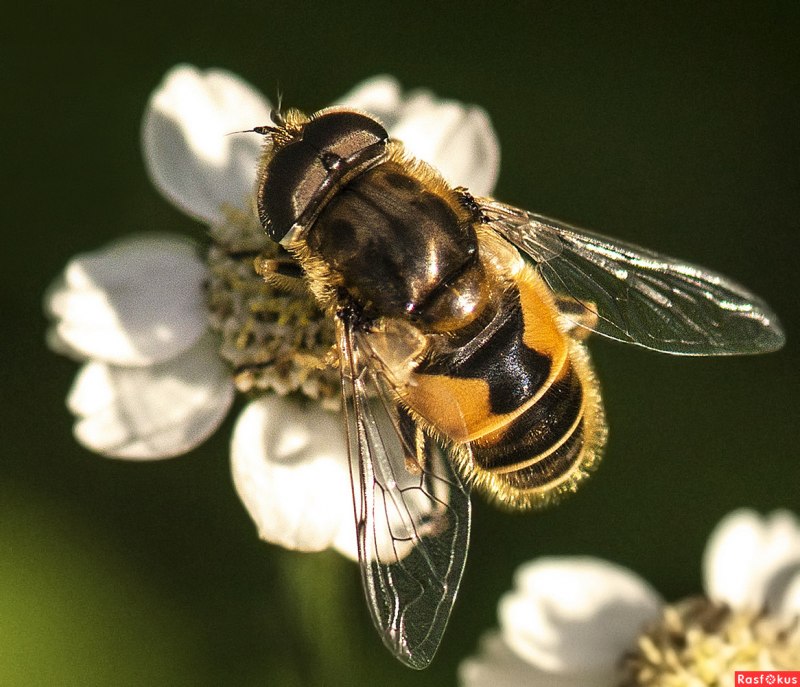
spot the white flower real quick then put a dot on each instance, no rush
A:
(576, 621)
(155, 379)
(152, 384)
(754, 562)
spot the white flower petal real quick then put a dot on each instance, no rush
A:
(394, 522)
(575, 615)
(380, 96)
(789, 606)
(152, 412)
(188, 152)
(345, 541)
(52, 337)
(456, 139)
(790, 602)
(290, 469)
(135, 302)
(289, 465)
(496, 665)
(747, 553)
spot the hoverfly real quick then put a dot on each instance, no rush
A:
(459, 327)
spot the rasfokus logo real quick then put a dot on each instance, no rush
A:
(767, 677)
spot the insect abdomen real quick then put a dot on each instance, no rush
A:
(549, 448)
(519, 396)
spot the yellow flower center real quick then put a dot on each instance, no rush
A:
(700, 643)
(274, 337)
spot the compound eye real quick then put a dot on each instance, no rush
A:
(343, 134)
(293, 181)
(301, 173)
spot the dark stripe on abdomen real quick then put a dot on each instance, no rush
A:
(497, 355)
(542, 443)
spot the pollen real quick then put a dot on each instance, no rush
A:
(273, 335)
(700, 643)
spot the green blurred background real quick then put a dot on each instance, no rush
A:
(673, 125)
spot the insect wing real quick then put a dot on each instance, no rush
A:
(636, 295)
(412, 526)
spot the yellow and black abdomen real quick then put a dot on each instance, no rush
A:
(550, 446)
(518, 399)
